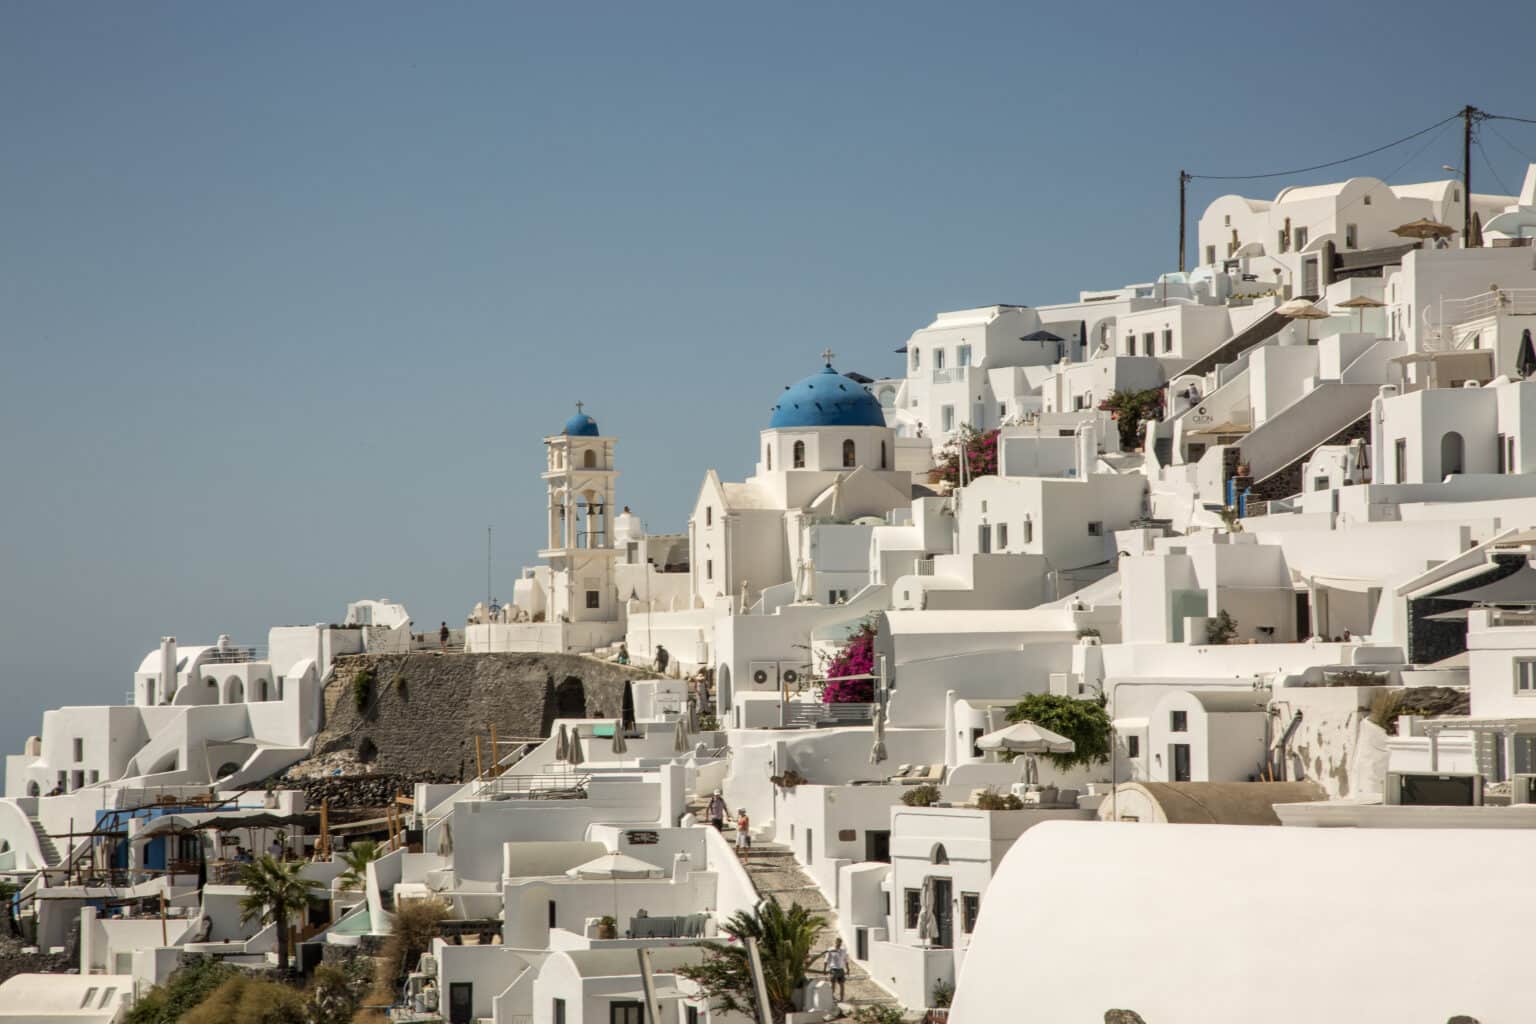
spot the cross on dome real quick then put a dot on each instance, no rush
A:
(578, 408)
(827, 354)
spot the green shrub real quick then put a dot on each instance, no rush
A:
(1220, 630)
(943, 994)
(245, 1000)
(1084, 722)
(992, 800)
(877, 1013)
(191, 983)
(362, 689)
(925, 795)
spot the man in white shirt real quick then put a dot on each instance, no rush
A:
(837, 970)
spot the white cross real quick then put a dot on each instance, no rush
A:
(827, 355)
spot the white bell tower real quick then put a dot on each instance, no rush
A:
(579, 477)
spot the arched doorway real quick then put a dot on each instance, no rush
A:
(234, 691)
(571, 698)
(1452, 453)
(261, 689)
(33, 789)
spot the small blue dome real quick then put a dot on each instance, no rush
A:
(581, 425)
(826, 399)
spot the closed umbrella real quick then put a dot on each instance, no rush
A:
(693, 714)
(927, 921)
(1476, 239)
(445, 840)
(1525, 362)
(680, 738)
(575, 757)
(1301, 309)
(562, 744)
(877, 751)
(619, 746)
(1361, 303)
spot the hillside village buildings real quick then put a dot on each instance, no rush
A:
(1302, 591)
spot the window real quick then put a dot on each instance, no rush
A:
(912, 906)
(1133, 746)
(626, 1012)
(1509, 455)
(1029, 531)
(970, 909)
(1284, 240)
(984, 539)
(1351, 236)
(1002, 536)
(690, 1015)
(589, 459)
(882, 455)
(93, 776)
(768, 457)
(798, 455)
(552, 913)
(1146, 343)
(559, 1011)
(917, 360)
(1130, 344)
(79, 749)
(1452, 449)
(1095, 529)
(1300, 237)
(1365, 200)
(1178, 721)
(1525, 676)
(1002, 411)
(1400, 460)
(850, 453)
(1167, 339)
(709, 568)
(709, 516)
(938, 359)
(1210, 254)
(963, 355)
(594, 599)
(1320, 483)
(939, 855)
(1455, 195)
(947, 418)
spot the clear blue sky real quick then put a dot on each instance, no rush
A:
(289, 293)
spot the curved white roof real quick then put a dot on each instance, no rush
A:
(1206, 924)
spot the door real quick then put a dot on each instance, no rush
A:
(1309, 276)
(877, 845)
(461, 1002)
(1181, 762)
(944, 912)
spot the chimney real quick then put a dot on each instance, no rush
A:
(167, 668)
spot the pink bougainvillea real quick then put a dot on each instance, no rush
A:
(980, 449)
(857, 658)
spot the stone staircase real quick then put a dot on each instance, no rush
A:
(774, 872)
(44, 842)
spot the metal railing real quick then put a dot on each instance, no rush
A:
(562, 785)
(803, 714)
(1452, 313)
(950, 375)
(234, 654)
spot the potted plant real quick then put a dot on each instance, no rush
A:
(607, 927)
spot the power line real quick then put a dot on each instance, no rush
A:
(1518, 149)
(1331, 163)
(1507, 117)
(1491, 169)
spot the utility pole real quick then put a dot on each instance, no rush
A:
(1469, 115)
(1184, 179)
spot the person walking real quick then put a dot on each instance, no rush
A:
(717, 811)
(837, 970)
(442, 637)
(662, 658)
(743, 836)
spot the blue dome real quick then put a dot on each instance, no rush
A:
(581, 425)
(826, 399)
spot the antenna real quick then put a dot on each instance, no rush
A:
(487, 568)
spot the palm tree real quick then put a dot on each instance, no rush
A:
(785, 940)
(357, 858)
(275, 891)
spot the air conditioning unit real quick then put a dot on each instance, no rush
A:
(763, 674)
(790, 673)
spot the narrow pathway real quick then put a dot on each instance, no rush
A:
(774, 872)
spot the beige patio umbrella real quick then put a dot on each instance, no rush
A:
(680, 738)
(1029, 739)
(1361, 303)
(1423, 228)
(575, 755)
(562, 744)
(619, 746)
(1301, 309)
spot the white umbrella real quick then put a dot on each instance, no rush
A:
(680, 738)
(877, 751)
(562, 744)
(619, 746)
(927, 922)
(575, 756)
(614, 865)
(1027, 738)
